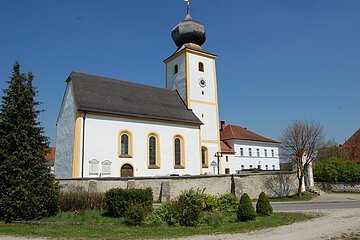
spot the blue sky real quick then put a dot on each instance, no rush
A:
(278, 60)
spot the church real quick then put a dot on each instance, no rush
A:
(113, 128)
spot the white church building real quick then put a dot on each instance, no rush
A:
(113, 128)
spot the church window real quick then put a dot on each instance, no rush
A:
(202, 92)
(204, 157)
(153, 151)
(179, 152)
(201, 67)
(176, 69)
(93, 167)
(125, 144)
(106, 168)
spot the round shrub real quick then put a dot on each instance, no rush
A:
(263, 206)
(228, 202)
(246, 211)
(134, 215)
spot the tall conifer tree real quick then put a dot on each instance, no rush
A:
(27, 188)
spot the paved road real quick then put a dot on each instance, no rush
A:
(294, 206)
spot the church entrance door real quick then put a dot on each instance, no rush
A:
(127, 171)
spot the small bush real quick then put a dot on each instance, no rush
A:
(246, 211)
(210, 202)
(119, 200)
(254, 170)
(167, 213)
(263, 206)
(228, 202)
(81, 201)
(214, 219)
(134, 215)
(189, 205)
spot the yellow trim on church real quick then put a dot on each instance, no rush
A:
(77, 146)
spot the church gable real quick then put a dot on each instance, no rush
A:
(105, 95)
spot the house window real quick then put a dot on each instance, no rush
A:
(227, 158)
(202, 92)
(258, 152)
(265, 151)
(272, 152)
(93, 167)
(176, 69)
(242, 167)
(227, 171)
(106, 167)
(201, 67)
(250, 152)
(259, 167)
(204, 157)
(125, 144)
(241, 152)
(152, 150)
(179, 152)
(250, 166)
(273, 167)
(266, 167)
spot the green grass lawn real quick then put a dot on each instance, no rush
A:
(92, 225)
(306, 196)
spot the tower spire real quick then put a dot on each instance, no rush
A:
(187, 6)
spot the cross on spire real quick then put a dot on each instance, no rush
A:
(187, 6)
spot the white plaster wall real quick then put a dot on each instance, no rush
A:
(209, 75)
(236, 160)
(65, 128)
(212, 149)
(208, 116)
(101, 142)
(176, 81)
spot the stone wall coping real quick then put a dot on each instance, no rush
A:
(245, 174)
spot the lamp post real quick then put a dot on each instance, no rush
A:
(218, 155)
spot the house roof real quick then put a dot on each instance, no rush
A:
(236, 132)
(50, 155)
(352, 145)
(106, 95)
(225, 148)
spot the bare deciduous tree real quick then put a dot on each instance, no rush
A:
(280, 184)
(301, 141)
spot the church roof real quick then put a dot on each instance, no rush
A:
(106, 95)
(236, 132)
(352, 145)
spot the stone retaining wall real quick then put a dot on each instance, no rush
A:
(338, 187)
(165, 188)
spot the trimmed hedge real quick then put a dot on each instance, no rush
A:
(246, 211)
(118, 200)
(263, 206)
(336, 170)
(80, 201)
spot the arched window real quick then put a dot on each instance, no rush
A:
(125, 144)
(176, 69)
(204, 157)
(179, 153)
(201, 67)
(152, 150)
(93, 167)
(106, 167)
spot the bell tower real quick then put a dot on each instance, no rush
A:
(192, 72)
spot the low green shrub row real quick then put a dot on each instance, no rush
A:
(336, 170)
(81, 201)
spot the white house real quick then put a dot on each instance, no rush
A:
(113, 128)
(244, 150)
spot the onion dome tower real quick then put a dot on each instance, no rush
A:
(188, 31)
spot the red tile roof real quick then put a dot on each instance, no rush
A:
(51, 154)
(352, 145)
(225, 148)
(236, 132)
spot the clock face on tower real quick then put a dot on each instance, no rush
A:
(202, 82)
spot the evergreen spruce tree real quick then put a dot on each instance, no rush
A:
(27, 188)
(263, 206)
